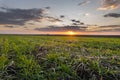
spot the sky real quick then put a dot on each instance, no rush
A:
(89, 17)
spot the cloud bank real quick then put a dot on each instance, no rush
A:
(114, 15)
(62, 28)
(90, 28)
(106, 28)
(19, 16)
(9, 16)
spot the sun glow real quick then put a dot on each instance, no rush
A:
(70, 33)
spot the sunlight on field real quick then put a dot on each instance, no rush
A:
(59, 58)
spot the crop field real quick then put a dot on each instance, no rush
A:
(59, 58)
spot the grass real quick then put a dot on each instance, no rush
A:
(59, 58)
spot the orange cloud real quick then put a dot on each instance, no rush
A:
(109, 4)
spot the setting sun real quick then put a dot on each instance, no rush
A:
(71, 33)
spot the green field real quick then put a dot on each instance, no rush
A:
(59, 58)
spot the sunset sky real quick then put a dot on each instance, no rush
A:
(98, 17)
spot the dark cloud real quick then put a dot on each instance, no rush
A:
(79, 28)
(19, 16)
(62, 16)
(76, 22)
(106, 28)
(109, 4)
(53, 19)
(62, 28)
(115, 15)
(110, 26)
(10, 26)
(47, 7)
(84, 2)
(73, 20)
(31, 23)
(82, 23)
